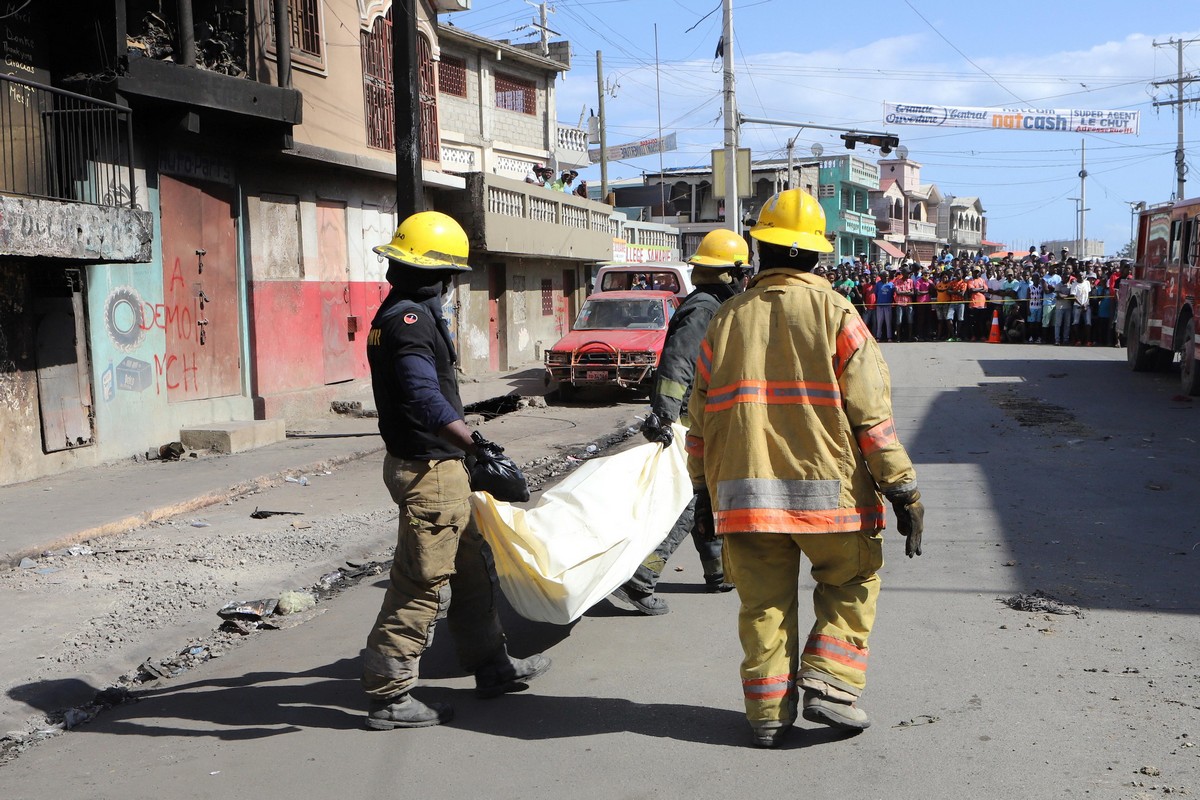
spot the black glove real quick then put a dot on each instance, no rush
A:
(703, 515)
(657, 430)
(493, 472)
(910, 519)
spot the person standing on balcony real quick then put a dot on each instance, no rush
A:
(717, 271)
(536, 175)
(439, 551)
(563, 184)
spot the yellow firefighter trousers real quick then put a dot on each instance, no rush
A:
(440, 555)
(765, 568)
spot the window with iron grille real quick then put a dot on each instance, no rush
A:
(304, 17)
(452, 76)
(430, 149)
(516, 94)
(376, 49)
(547, 298)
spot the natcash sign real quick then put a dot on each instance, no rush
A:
(1070, 120)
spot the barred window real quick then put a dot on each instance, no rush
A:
(547, 298)
(376, 51)
(452, 76)
(516, 94)
(304, 17)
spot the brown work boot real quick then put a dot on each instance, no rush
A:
(405, 711)
(769, 734)
(834, 712)
(507, 674)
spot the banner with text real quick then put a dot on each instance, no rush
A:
(1066, 120)
(646, 147)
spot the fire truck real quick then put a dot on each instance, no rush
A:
(1156, 304)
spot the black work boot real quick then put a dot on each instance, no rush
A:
(647, 603)
(405, 711)
(507, 674)
(717, 583)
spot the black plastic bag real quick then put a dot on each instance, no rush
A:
(495, 473)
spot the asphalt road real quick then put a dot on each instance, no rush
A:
(1047, 469)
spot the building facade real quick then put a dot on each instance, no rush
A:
(846, 182)
(189, 211)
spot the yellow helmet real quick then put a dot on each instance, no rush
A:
(429, 240)
(793, 218)
(721, 248)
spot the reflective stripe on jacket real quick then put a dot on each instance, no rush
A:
(791, 413)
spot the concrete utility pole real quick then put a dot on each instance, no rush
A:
(540, 24)
(1179, 82)
(603, 135)
(733, 214)
(1083, 209)
(406, 97)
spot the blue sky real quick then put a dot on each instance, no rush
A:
(836, 64)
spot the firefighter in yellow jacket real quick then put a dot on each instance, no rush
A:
(792, 449)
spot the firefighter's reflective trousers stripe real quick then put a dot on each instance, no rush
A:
(765, 567)
(440, 555)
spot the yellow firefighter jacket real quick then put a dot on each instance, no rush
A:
(791, 413)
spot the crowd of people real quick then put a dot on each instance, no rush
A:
(541, 175)
(1038, 298)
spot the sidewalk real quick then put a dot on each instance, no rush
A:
(60, 510)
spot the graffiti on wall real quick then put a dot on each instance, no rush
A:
(128, 317)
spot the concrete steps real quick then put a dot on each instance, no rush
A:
(237, 436)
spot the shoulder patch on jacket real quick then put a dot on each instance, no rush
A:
(410, 318)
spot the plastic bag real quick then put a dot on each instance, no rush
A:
(586, 536)
(495, 473)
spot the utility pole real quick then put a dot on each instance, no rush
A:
(540, 24)
(603, 136)
(733, 215)
(406, 95)
(1082, 199)
(1179, 82)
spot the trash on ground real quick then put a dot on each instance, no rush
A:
(302, 480)
(248, 609)
(1040, 602)
(27, 563)
(295, 602)
(923, 719)
(263, 513)
(172, 451)
(199, 523)
(46, 570)
(73, 550)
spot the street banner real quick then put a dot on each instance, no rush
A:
(1065, 120)
(646, 147)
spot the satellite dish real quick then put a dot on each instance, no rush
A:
(817, 149)
(902, 152)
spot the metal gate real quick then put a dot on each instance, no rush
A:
(200, 291)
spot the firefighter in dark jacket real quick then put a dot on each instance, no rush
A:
(439, 552)
(717, 274)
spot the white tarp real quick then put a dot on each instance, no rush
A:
(586, 536)
(1066, 120)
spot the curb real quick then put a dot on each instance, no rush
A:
(133, 521)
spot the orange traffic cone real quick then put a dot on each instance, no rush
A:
(994, 336)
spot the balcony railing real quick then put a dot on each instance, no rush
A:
(572, 139)
(922, 230)
(64, 146)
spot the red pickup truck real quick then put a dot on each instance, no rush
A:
(616, 341)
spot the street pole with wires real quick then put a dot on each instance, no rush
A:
(1180, 81)
(601, 123)
(733, 216)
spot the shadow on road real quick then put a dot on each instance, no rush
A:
(1089, 468)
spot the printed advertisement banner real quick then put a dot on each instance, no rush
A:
(646, 147)
(1065, 120)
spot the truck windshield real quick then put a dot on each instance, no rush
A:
(621, 315)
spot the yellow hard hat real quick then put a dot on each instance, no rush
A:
(793, 218)
(721, 248)
(429, 240)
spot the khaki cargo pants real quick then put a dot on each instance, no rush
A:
(440, 555)
(765, 567)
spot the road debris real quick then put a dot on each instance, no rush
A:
(263, 514)
(922, 719)
(1040, 602)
